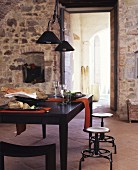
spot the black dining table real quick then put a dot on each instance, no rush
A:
(58, 115)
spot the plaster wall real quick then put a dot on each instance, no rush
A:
(92, 50)
(77, 54)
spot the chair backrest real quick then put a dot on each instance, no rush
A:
(12, 150)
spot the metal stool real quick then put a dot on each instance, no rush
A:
(102, 136)
(96, 152)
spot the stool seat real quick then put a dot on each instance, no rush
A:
(97, 130)
(104, 115)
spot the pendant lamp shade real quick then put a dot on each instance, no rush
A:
(48, 37)
(64, 46)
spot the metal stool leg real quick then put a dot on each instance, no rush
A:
(96, 144)
(102, 125)
(111, 162)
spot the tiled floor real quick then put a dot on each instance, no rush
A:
(126, 138)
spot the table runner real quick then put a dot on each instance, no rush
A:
(85, 101)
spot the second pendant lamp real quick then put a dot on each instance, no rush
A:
(64, 46)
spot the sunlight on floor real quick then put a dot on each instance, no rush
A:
(104, 101)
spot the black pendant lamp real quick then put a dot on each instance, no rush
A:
(64, 46)
(48, 37)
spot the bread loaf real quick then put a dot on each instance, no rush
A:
(14, 105)
(26, 106)
(18, 105)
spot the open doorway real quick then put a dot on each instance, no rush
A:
(90, 66)
(68, 60)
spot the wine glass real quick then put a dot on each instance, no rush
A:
(63, 90)
(56, 85)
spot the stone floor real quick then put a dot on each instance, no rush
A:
(126, 139)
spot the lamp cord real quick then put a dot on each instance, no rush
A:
(55, 16)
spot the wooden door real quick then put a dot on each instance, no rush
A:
(114, 39)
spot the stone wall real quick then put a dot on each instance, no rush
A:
(20, 27)
(127, 46)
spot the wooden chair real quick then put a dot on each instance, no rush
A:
(12, 150)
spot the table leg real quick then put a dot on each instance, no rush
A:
(91, 112)
(63, 133)
(44, 130)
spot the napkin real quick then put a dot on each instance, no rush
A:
(25, 111)
(21, 94)
(54, 100)
(85, 101)
(20, 128)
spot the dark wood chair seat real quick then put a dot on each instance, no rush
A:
(12, 150)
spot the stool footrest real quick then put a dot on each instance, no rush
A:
(106, 138)
(102, 153)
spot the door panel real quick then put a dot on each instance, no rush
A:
(113, 79)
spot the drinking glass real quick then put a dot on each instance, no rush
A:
(63, 90)
(56, 85)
